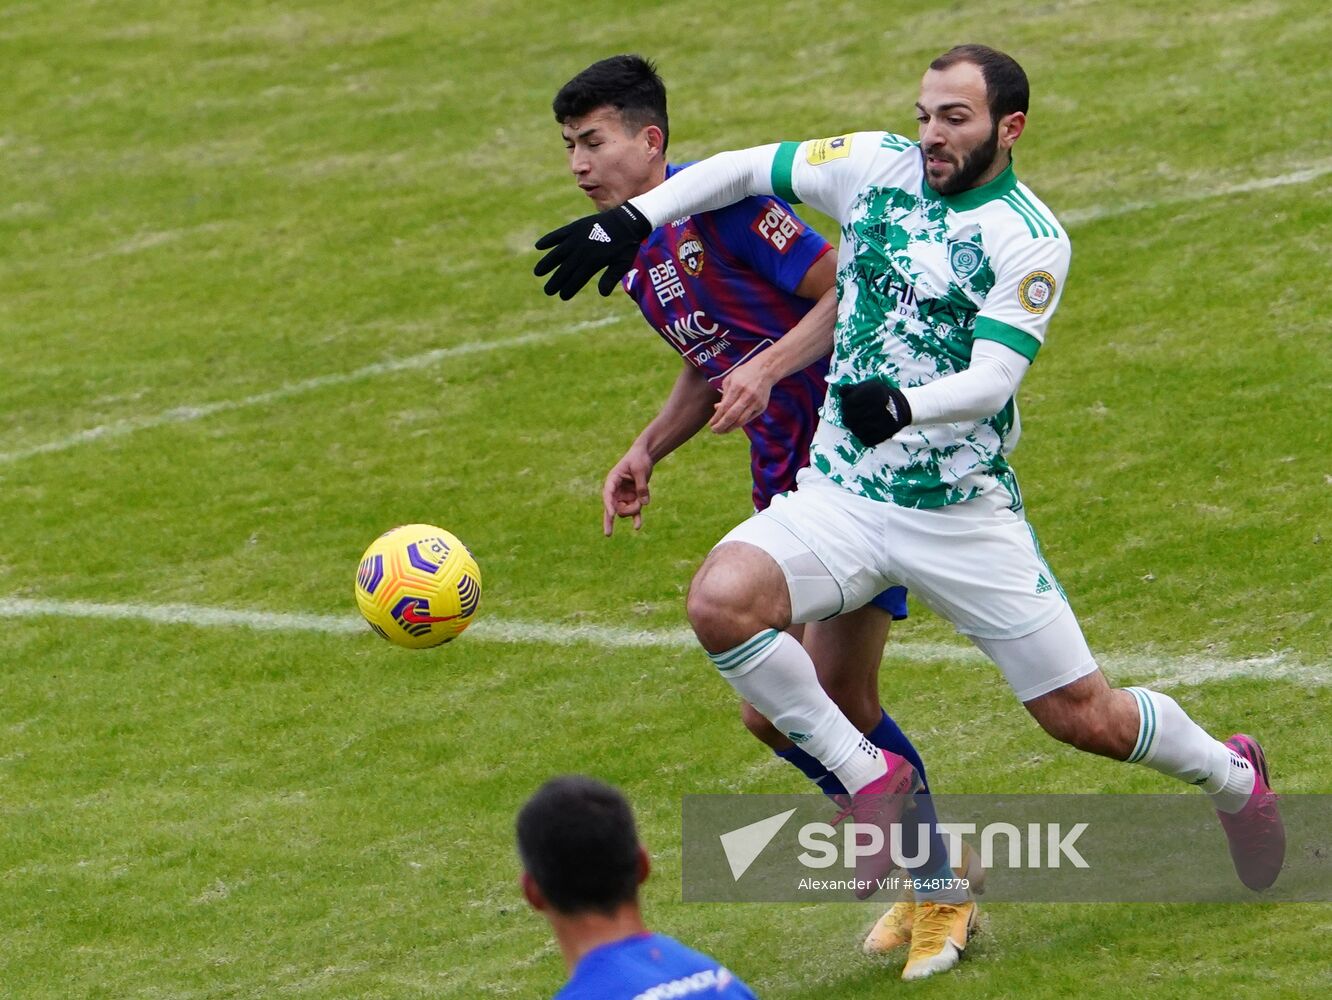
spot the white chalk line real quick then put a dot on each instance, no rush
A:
(186, 414)
(1094, 214)
(1144, 667)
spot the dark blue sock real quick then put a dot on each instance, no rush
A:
(936, 861)
(888, 736)
(813, 770)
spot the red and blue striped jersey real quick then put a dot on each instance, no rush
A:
(719, 287)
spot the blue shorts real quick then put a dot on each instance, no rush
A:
(892, 600)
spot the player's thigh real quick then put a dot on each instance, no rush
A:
(977, 564)
(824, 540)
(1047, 660)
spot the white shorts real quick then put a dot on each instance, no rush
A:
(977, 564)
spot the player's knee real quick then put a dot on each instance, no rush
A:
(727, 600)
(1081, 722)
(707, 607)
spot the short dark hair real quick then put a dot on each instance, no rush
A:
(1006, 87)
(629, 84)
(577, 840)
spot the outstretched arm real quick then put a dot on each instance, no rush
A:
(713, 183)
(625, 492)
(609, 240)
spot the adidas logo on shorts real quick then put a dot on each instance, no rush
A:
(599, 234)
(1042, 584)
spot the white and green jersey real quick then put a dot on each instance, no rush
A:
(921, 276)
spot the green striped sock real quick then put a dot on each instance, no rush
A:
(1147, 730)
(739, 659)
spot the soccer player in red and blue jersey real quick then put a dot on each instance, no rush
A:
(746, 296)
(582, 866)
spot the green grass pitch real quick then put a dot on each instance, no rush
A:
(217, 218)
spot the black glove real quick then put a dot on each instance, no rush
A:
(874, 410)
(608, 239)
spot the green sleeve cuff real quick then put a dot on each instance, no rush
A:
(781, 172)
(1010, 336)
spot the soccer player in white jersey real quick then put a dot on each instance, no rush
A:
(948, 273)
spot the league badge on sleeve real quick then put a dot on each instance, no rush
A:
(822, 150)
(1036, 291)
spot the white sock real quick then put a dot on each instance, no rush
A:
(773, 673)
(1172, 743)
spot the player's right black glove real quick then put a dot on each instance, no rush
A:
(608, 239)
(873, 410)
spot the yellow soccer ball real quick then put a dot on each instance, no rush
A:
(418, 586)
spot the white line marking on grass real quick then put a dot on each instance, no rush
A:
(177, 614)
(1168, 671)
(1075, 216)
(485, 629)
(1163, 671)
(186, 414)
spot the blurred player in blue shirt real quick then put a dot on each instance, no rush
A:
(582, 866)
